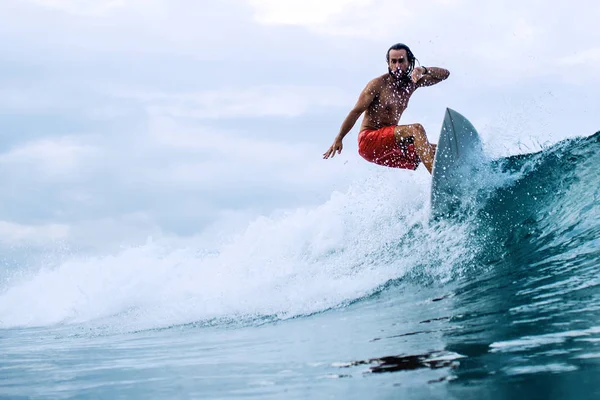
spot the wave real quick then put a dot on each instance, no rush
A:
(550, 207)
(537, 209)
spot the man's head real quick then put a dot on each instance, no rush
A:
(400, 60)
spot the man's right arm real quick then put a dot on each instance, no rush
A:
(364, 101)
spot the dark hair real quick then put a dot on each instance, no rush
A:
(409, 54)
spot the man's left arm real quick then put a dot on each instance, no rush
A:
(427, 76)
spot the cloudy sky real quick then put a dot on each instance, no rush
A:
(121, 119)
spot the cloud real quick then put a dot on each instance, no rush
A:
(22, 100)
(13, 233)
(506, 38)
(347, 17)
(82, 31)
(252, 102)
(233, 161)
(49, 157)
(584, 57)
(89, 8)
(302, 12)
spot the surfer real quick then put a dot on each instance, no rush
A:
(381, 140)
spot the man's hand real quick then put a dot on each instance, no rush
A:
(417, 74)
(336, 146)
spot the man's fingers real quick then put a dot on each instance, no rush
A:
(415, 76)
(332, 150)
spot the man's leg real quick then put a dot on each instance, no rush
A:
(424, 149)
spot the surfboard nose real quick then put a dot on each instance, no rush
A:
(451, 114)
(461, 134)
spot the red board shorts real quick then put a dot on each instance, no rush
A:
(381, 147)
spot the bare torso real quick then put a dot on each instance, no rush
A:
(391, 99)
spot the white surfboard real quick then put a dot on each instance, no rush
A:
(458, 153)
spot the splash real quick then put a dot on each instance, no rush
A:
(292, 263)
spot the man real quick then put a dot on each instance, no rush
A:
(381, 140)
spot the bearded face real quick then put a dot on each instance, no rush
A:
(398, 65)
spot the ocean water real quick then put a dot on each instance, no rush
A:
(361, 297)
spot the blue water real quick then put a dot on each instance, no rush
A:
(361, 297)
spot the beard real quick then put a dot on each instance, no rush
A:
(399, 76)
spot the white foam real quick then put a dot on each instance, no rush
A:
(536, 369)
(292, 263)
(532, 342)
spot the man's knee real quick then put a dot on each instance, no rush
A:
(404, 131)
(417, 129)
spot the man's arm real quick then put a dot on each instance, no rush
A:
(364, 100)
(427, 76)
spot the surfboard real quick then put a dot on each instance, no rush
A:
(459, 151)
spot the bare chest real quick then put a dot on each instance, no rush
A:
(394, 99)
(388, 106)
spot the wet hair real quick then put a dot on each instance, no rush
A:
(409, 54)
